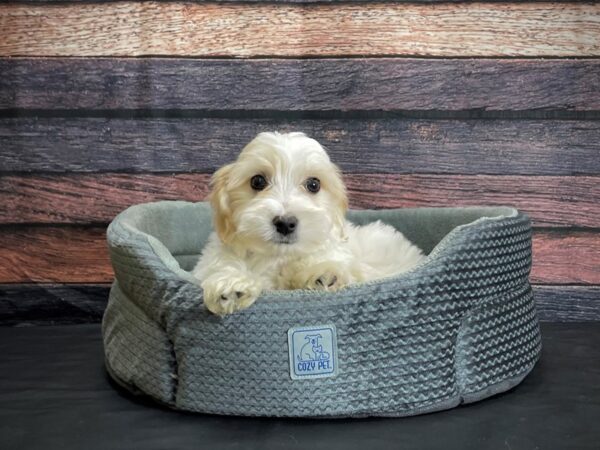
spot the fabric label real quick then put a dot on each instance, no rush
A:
(313, 352)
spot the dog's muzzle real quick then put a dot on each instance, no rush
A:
(286, 229)
(285, 225)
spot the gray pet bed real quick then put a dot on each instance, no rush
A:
(460, 327)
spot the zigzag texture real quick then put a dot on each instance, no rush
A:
(458, 329)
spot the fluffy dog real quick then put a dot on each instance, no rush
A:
(279, 215)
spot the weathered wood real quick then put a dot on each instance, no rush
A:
(549, 201)
(41, 304)
(54, 254)
(23, 304)
(316, 1)
(369, 146)
(567, 303)
(381, 84)
(92, 198)
(570, 258)
(240, 30)
(79, 255)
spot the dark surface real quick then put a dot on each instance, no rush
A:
(54, 393)
(54, 304)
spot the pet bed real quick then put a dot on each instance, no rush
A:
(458, 328)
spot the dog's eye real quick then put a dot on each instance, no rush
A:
(258, 182)
(312, 185)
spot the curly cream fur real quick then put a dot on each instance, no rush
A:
(245, 255)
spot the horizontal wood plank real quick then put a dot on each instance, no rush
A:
(249, 30)
(317, 1)
(567, 303)
(54, 254)
(566, 257)
(92, 198)
(549, 201)
(395, 145)
(381, 84)
(50, 304)
(79, 255)
(83, 198)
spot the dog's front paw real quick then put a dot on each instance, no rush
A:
(328, 281)
(323, 277)
(226, 295)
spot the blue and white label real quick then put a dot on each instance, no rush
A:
(313, 352)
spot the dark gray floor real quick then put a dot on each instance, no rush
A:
(54, 393)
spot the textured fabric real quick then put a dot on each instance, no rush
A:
(460, 327)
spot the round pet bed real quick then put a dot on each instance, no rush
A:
(458, 328)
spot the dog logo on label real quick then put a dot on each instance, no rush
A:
(313, 351)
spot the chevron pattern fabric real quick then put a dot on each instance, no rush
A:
(459, 328)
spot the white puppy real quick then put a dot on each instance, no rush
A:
(279, 215)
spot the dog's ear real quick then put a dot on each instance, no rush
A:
(220, 202)
(337, 188)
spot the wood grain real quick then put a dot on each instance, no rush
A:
(549, 201)
(567, 303)
(394, 145)
(380, 84)
(54, 254)
(566, 257)
(90, 198)
(93, 198)
(72, 254)
(240, 30)
(52, 304)
(315, 1)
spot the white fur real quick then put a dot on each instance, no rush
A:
(244, 257)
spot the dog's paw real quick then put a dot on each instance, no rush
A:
(327, 281)
(227, 295)
(322, 277)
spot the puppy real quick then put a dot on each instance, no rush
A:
(279, 215)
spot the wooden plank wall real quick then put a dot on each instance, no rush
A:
(103, 105)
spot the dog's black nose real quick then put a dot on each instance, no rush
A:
(285, 224)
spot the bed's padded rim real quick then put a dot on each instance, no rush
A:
(441, 319)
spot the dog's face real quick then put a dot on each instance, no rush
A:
(313, 339)
(282, 194)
